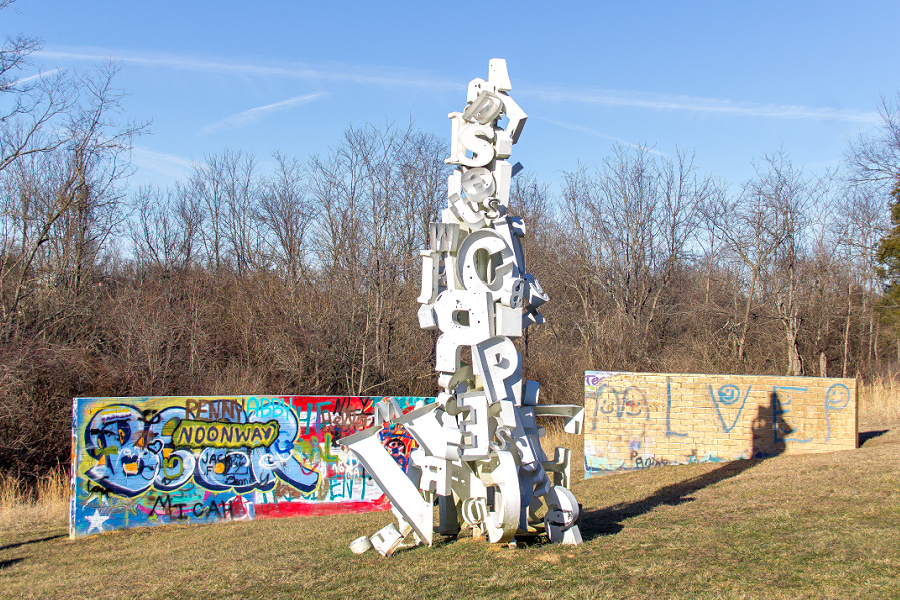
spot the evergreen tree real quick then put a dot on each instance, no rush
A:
(889, 268)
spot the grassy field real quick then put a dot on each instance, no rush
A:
(817, 526)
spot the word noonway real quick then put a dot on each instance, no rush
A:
(151, 461)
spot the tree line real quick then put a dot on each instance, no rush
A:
(303, 279)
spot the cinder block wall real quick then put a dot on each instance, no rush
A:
(640, 420)
(151, 461)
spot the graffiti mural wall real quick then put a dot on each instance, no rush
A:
(639, 420)
(153, 461)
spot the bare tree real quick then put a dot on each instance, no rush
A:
(31, 103)
(422, 188)
(630, 227)
(820, 274)
(165, 229)
(865, 223)
(875, 157)
(61, 205)
(789, 194)
(754, 224)
(377, 192)
(225, 189)
(287, 212)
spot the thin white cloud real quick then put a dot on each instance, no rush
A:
(41, 75)
(252, 115)
(171, 165)
(663, 102)
(599, 134)
(385, 76)
(338, 72)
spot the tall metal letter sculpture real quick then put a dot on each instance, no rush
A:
(479, 455)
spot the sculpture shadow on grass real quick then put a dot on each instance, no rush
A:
(865, 436)
(4, 564)
(770, 432)
(34, 541)
(609, 521)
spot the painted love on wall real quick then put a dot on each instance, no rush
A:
(640, 420)
(152, 461)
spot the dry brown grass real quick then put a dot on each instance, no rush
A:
(879, 402)
(807, 526)
(39, 506)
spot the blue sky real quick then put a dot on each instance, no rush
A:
(728, 80)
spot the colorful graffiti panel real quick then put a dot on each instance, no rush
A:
(639, 420)
(152, 461)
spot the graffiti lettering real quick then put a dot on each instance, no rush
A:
(781, 399)
(728, 395)
(199, 434)
(836, 398)
(223, 409)
(787, 414)
(157, 460)
(632, 402)
(646, 461)
(669, 431)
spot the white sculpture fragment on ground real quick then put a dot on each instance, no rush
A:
(479, 456)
